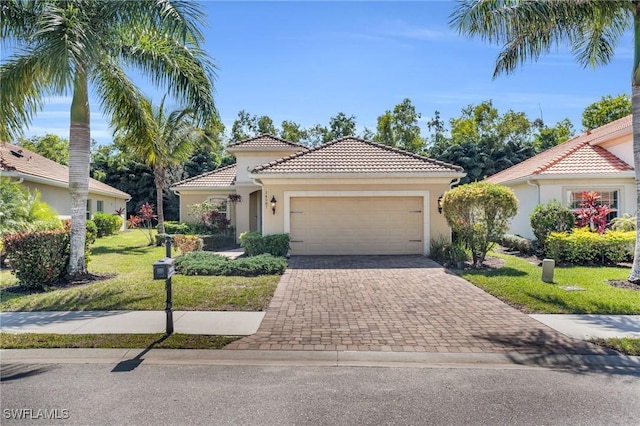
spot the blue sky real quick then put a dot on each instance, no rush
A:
(307, 61)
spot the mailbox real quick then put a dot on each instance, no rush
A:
(163, 268)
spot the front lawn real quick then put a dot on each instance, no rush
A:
(519, 284)
(107, 341)
(625, 345)
(133, 287)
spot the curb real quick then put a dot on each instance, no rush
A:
(317, 358)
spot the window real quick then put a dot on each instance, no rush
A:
(88, 209)
(220, 202)
(607, 197)
(100, 206)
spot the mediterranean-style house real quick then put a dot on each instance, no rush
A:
(34, 171)
(598, 160)
(348, 196)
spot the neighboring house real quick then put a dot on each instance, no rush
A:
(34, 171)
(348, 196)
(598, 160)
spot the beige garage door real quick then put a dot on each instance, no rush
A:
(356, 225)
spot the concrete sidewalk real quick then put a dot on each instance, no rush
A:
(131, 322)
(247, 323)
(586, 327)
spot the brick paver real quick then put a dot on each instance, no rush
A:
(395, 303)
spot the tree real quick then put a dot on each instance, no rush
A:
(340, 126)
(479, 213)
(526, 30)
(248, 126)
(606, 110)
(50, 146)
(163, 139)
(292, 132)
(548, 137)
(399, 128)
(64, 46)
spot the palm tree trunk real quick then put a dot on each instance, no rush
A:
(79, 151)
(634, 275)
(159, 180)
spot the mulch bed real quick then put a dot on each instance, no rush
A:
(624, 284)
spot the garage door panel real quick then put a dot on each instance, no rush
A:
(357, 225)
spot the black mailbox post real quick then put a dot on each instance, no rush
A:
(163, 269)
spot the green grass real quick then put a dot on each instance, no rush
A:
(625, 345)
(519, 284)
(105, 341)
(133, 287)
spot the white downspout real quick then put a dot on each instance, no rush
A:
(537, 189)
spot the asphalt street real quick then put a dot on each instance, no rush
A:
(266, 395)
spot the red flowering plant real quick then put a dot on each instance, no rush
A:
(144, 221)
(592, 212)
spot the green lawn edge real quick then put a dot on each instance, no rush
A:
(113, 341)
(519, 284)
(624, 345)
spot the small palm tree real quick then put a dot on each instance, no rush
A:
(527, 29)
(68, 46)
(161, 141)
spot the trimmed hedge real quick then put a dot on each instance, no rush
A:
(219, 241)
(39, 258)
(585, 247)
(516, 242)
(171, 227)
(255, 244)
(107, 224)
(548, 218)
(204, 263)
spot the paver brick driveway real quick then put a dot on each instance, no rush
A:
(394, 303)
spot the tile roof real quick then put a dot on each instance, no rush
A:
(27, 164)
(351, 155)
(580, 155)
(222, 177)
(263, 142)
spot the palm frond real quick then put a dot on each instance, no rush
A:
(526, 29)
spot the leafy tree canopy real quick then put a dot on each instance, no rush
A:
(606, 110)
(50, 146)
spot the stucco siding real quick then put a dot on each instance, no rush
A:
(527, 200)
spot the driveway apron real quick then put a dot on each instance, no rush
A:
(395, 303)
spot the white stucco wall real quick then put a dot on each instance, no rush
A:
(558, 188)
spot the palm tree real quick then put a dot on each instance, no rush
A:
(68, 46)
(162, 141)
(527, 29)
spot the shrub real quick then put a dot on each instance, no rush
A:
(144, 221)
(516, 242)
(21, 211)
(479, 213)
(625, 223)
(550, 217)
(38, 258)
(254, 244)
(92, 233)
(178, 228)
(107, 224)
(586, 247)
(204, 263)
(212, 220)
(187, 243)
(446, 253)
(160, 239)
(592, 213)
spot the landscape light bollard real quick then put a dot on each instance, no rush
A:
(548, 266)
(169, 302)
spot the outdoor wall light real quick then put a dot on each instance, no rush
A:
(273, 204)
(440, 204)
